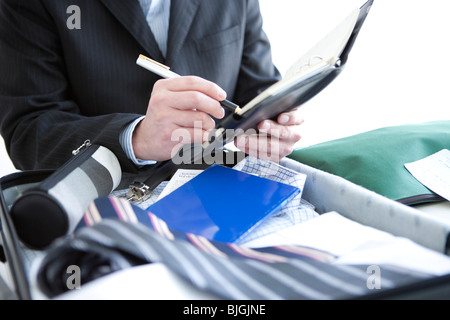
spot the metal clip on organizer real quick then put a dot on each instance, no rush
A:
(138, 192)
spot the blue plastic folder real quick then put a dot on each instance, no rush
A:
(222, 204)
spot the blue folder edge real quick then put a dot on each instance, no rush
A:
(223, 204)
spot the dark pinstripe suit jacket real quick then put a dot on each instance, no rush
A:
(61, 86)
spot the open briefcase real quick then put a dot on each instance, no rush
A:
(325, 191)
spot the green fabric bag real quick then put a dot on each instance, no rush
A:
(376, 159)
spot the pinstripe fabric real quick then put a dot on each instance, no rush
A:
(157, 14)
(228, 271)
(126, 141)
(61, 86)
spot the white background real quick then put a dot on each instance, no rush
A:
(398, 71)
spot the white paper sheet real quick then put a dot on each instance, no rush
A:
(179, 178)
(433, 172)
(354, 243)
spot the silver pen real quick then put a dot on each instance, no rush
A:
(164, 71)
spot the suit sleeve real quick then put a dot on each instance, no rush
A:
(257, 71)
(39, 120)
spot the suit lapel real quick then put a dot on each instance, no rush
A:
(182, 13)
(130, 15)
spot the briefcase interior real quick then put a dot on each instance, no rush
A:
(325, 191)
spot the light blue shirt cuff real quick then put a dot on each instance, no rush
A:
(125, 139)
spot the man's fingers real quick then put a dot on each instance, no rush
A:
(263, 146)
(193, 83)
(194, 100)
(291, 118)
(282, 132)
(189, 93)
(194, 119)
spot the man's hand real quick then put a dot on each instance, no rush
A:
(274, 140)
(179, 112)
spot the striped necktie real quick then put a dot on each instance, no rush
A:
(157, 14)
(122, 235)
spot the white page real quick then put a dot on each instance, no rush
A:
(330, 232)
(433, 172)
(180, 177)
(399, 252)
(354, 243)
(329, 48)
(322, 56)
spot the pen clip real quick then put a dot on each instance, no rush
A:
(141, 56)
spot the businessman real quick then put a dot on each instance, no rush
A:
(68, 74)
